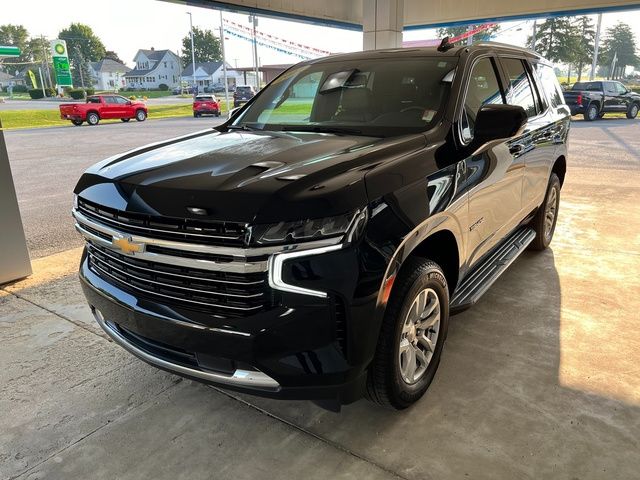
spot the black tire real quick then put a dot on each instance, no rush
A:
(591, 113)
(141, 115)
(77, 123)
(385, 383)
(125, 120)
(218, 113)
(633, 111)
(601, 115)
(195, 115)
(539, 222)
(93, 118)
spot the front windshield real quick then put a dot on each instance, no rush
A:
(381, 97)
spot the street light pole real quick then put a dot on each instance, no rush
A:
(254, 20)
(533, 34)
(193, 55)
(224, 66)
(596, 43)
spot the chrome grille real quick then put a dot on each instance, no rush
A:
(220, 293)
(168, 228)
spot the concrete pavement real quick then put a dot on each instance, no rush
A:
(540, 380)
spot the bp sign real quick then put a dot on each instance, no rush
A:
(61, 63)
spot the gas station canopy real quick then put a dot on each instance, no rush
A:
(352, 14)
(9, 51)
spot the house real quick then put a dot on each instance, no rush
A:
(154, 67)
(209, 74)
(5, 79)
(108, 74)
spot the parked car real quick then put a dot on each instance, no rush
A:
(314, 247)
(103, 107)
(206, 105)
(184, 90)
(243, 94)
(595, 99)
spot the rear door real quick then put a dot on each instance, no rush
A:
(611, 100)
(495, 176)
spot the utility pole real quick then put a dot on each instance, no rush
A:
(596, 44)
(533, 34)
(224, 66)
(45, 61)
(79, 66)
(254, 20)
(470, 37)
(193, 55)
(44, 93)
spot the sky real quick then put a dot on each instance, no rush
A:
(128, 25)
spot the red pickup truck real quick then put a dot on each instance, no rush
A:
(103, 107)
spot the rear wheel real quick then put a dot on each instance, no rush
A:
(141, 115)
(77, 123)
(544, 223)
(196, 114)
(125, 120)
(412, 336)
(632, 112)
(592, 113)
(93, 118)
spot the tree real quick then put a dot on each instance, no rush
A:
(584, 46)
(80, 71)
(557, 39)
(206, 45)
(81, 38)
(17, 36)
(619, 41)
(110, 54)
(456, 31)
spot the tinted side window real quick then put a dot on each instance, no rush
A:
(550, 84)
(520, 91)
(483, 88)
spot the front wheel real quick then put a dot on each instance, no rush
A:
(141, 115)
(412, 336)
(632, 112)
(592, 113)
(544, 223)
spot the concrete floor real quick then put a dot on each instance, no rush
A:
(540, 380)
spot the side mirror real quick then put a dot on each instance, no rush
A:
(129, 102)
(497, 123)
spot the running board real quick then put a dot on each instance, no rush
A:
(483, 276)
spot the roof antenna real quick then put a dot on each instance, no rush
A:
(445, 45)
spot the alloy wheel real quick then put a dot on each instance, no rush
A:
(419, 336)
(550, 211)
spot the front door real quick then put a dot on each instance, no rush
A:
(494, 177)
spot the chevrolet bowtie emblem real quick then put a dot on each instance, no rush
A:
(126, 245)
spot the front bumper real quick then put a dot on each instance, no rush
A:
(290, 351)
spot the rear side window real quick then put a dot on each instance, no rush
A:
(93, 100)
(483, 88)
(547, 78)
(520, 91)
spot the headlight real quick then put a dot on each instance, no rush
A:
(303, 230)
(75, 201)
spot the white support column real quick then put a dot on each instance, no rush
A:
(14, 257)
(382, 22)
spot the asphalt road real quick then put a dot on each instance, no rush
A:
(46, 164)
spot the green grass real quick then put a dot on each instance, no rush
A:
(12, 119)
(140, 94)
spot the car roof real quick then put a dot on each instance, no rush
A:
(427, 52)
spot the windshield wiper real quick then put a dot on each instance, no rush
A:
(243, 127)
(321, 129)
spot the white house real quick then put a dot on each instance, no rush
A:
(154, 67)
(209, 74)
(108, 74)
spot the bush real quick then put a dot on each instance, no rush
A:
(51, 92)
(36, 93)
(132, 97)
(76, 93)
(163, 87)
(90, 91)
(20, 89)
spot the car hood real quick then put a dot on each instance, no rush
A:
(243, 176)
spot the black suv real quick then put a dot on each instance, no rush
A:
(315, 245)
